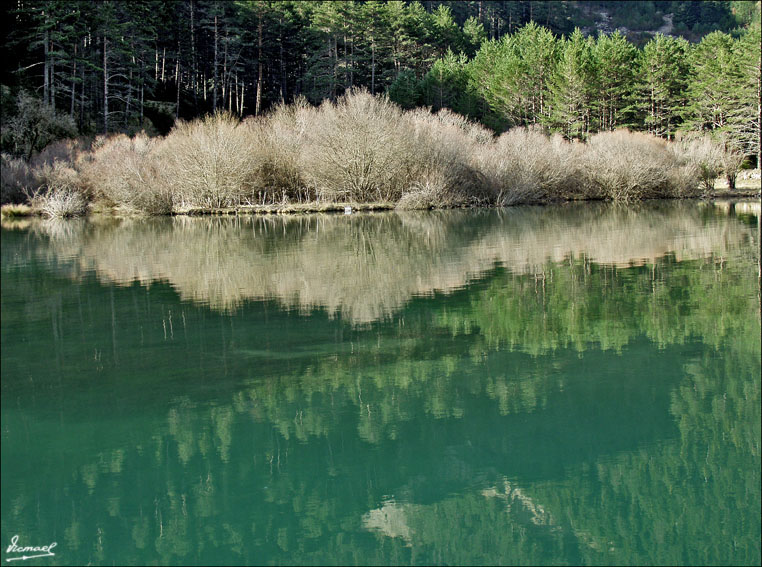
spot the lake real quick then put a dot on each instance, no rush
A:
(572, 384)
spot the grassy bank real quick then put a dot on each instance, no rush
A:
(362, 151)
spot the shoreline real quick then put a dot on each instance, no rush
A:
(22, 211)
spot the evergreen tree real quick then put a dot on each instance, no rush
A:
(573, 87)
(614, 59)
(745, 120)
(474, 35)
(715, 79)
(660, 98)
(447, 85)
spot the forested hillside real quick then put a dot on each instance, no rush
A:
(571, 67)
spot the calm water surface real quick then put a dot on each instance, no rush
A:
(559, 385)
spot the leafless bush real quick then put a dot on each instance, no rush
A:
(58, 176)
(129, 173)
(212, 162)
(703, 155)
(731, 165)
(34, 126)
(65, 151)
(278, 142)
(624, 166)
(524, 165)
(358, 149)
(361, 148)
(473, 131)
(12, 211)
(16, 179)
(60, 203)
(445, 172)
(432, 189)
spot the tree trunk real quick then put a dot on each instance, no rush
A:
(82, 99)
(194, 68)
(105, 85)
(73, 81)
(46, 71)
(282, 66)
(177, 84)
(129, 95)
(52, 84)
(372, 66)
(225, 85)
(258, 106)
(759, 118)
(334, 89)
(216, 63)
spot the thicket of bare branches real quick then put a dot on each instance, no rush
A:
(362, 148)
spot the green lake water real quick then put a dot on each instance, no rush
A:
(575, 384)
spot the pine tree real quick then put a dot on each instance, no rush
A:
(573, 86)
(660, 97)
(614, 59)
(715, 79)
(745, 120)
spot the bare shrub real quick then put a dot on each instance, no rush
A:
(526, 166)
(212, 162)
(624, 165)
(432, 189)
(278, 141)
(129, 173)
(731, 165)
(358, 149)
(683, 180)
(60, 203)
(473, 131)
(444, 172)
(58, 176)
(703, 155)
(16, 179)
(65, 151)
(715, 153)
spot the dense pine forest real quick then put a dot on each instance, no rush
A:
(669, 69)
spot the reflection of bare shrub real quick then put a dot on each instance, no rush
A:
(367, 266)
